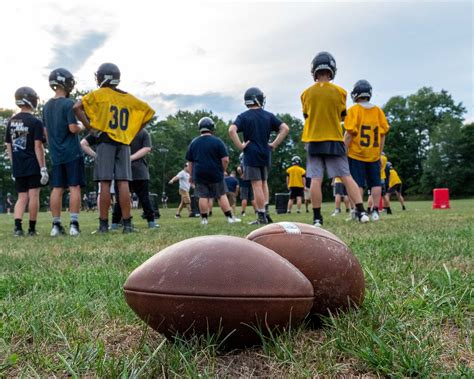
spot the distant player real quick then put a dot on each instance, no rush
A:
(340, 195)
(256, 125)
(295, 182)
(366, 127)
(24, 141)
(394, 187)
(245, 191)
(208, 159)
(184, 178)
(120, 116)
(324, 107)
(232, 185)
(68, 169)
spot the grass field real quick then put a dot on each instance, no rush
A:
(63, 311)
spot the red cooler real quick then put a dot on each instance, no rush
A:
(441, 198)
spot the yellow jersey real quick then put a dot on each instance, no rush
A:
(324, 104)
(337, 179)
(367, 125)
(394, 178)
(295, 176)
(119, 114)
(383, 164)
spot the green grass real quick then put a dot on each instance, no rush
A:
(63, 310)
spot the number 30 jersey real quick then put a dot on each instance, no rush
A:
(116, 113)
(367, 124)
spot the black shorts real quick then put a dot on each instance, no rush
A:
(296, 192)
(396, 188)
(210, 190)
(25, 183)
(339, 189)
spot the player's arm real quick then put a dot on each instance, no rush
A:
(39, 152)
(86, 148)
(235, 138)
(382, 143)
(225, 162)
(173, 179)
(190, 167)
(282, 133)
(347, 139)
(81, 114)
(140, 153)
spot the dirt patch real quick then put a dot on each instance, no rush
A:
(457, 346)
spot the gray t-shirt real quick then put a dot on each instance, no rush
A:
(183, 177)
(140, 166)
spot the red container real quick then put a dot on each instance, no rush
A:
(441, 198)
(381, 202)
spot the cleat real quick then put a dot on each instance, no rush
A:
(32, 233)
(204, 221)
(375, 216)
(74, 229)
(57, 230)
(177, 215)
(363, 217)
(336, 212)
(318, 222)
(233, 220)
(18, 233)
(153, 225)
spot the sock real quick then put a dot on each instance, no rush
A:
(338, 209)
(403, 207)
(347, 210)
(317, 213)
(56, 220)
(18, 223)
(203, 215)
(32, 225)
(228, 214)
(360, 207)
(261, 210)
(127, 221)
(74, 217)
(266, 207)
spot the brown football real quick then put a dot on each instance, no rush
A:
(218, 285)
(328, 263)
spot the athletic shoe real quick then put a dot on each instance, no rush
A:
(318, 222)
(177, 216)
(233, 220)
(363, 217)
(269, 219)
(153, 225)
(32, 233)
(336, 212)
(298, 211)
(242, 214)
(204, 221)
(375, 216)
(103, 227)
(18, 233)
(129, 229)
(114, 226)
(288, 212)
(57, 230)
(74, 229)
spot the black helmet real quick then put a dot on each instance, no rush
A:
(107, 75)
(323, 61)
(296, 160)
(361, 89)
(26, 96)
(254, 96)
(61, 77)
(206, 124)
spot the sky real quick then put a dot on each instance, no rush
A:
(204, 55)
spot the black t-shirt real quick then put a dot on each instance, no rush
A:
(256, 126)
(206, 153)
(23, 130)
(140, 166)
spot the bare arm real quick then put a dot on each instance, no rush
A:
(347, 139)
(86, 148)
(140, 153)
(39, 152)
(9, 151)
(225, 162)
(382, 143)
(75, 128)
(282, 133)
(235, 138)
(81, 114)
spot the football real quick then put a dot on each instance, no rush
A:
(220, 285)
(328, 263)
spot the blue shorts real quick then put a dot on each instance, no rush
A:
(365, 173)
(70, 174)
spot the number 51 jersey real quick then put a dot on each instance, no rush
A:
(119, 114)
(367, 124)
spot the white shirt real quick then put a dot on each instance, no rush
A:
(183, 177)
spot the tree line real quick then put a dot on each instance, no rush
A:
(428, 144)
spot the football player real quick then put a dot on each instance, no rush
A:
(295, 182)
(366, 127)
(62, 131)
(324, 107)
(208, 159)
(340, 194)
(24, 141)
(394, 186)
(256, 125)
(119, 116)
(184, 187)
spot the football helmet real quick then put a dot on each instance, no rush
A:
(323, 61)
(296, 160)
(107, 75)
(361, 89)
(26, 96)
(61, 77)
(254, 96)
(206, 124)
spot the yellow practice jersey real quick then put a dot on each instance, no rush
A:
(295, 176)
(383, 164)
(394, 178)
(367, 125)
(324, 104)
(337, 179)
(118, 114)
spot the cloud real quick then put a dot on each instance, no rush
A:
(72, 54)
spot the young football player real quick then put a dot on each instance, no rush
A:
(366, 127)
(24, 141)
(232, 185)
(295, 182)
(324, 107)
(394, 186)
(340, 195)
(120, 116)
(208, 159)
(62, 131)
(184, 187)
(245, 191)
(256, 125)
